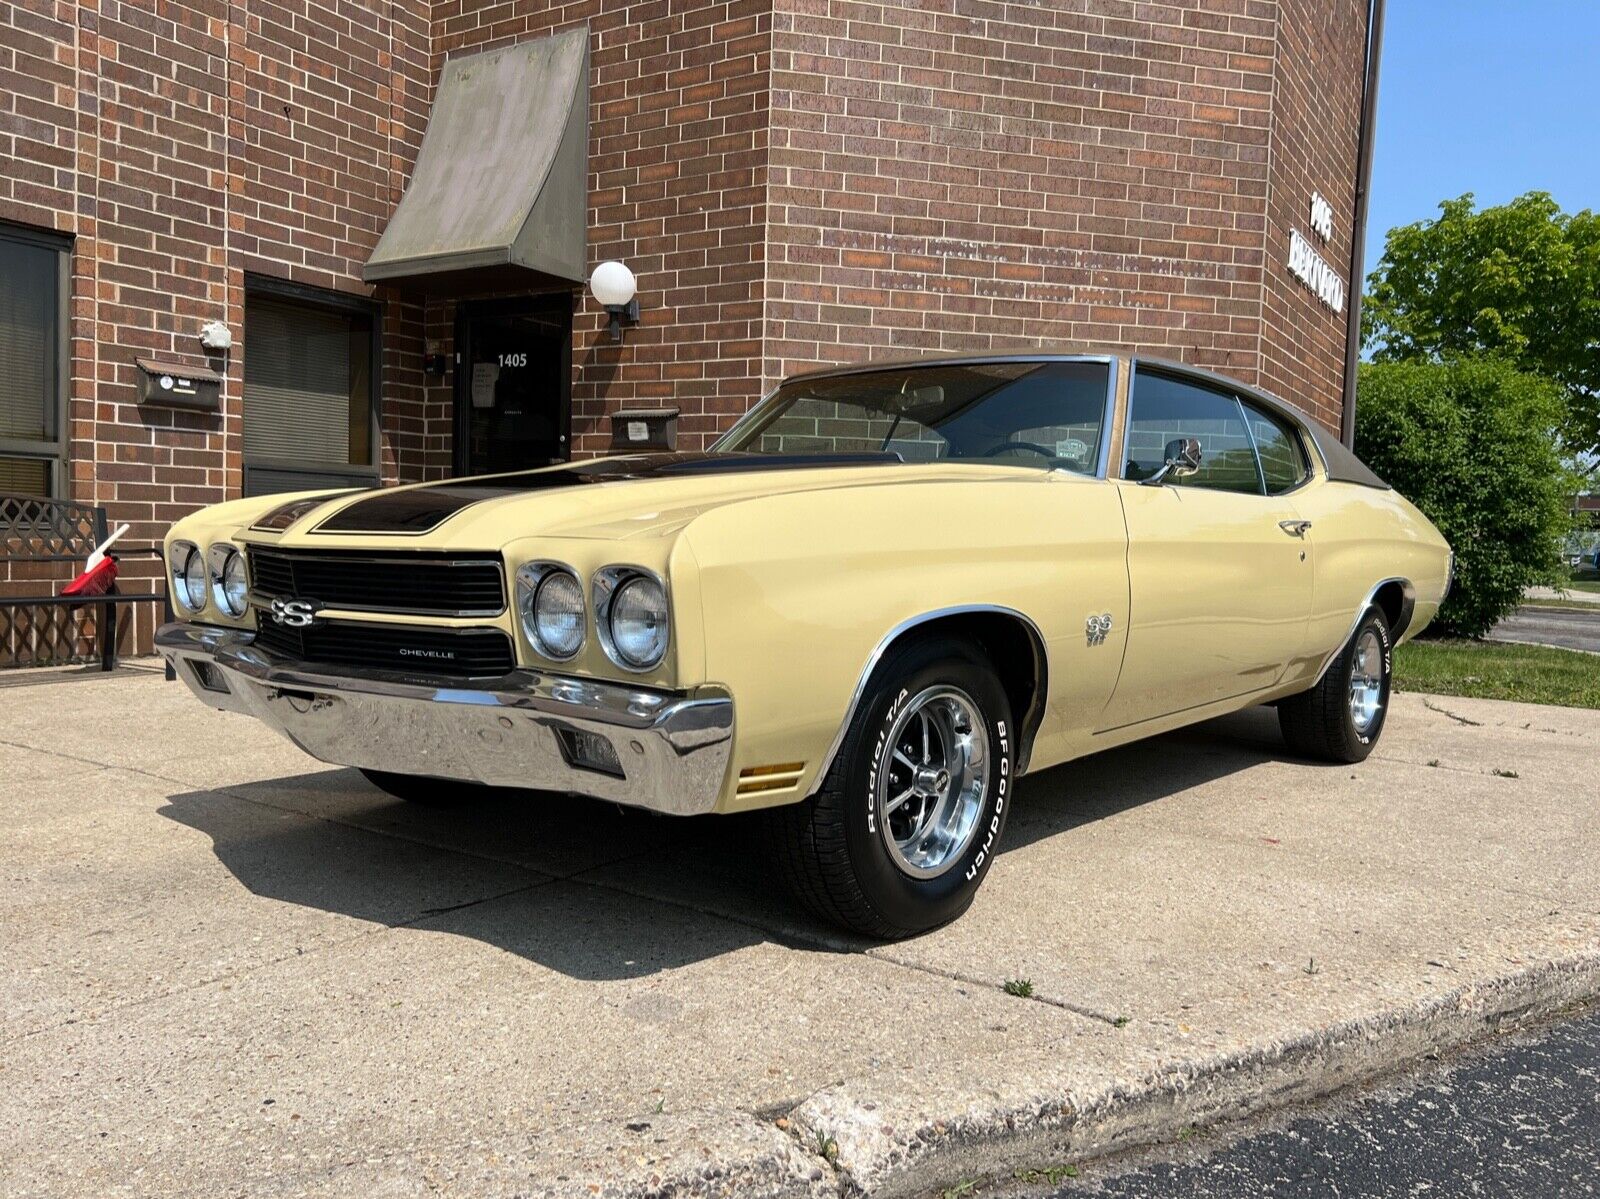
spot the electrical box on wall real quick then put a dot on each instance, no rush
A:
(644, 429)
(173, 385)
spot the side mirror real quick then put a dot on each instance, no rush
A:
(1182, 460)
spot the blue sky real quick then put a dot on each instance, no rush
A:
(1492, 98)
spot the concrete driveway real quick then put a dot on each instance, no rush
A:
(230, 970)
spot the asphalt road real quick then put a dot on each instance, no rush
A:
(1519, 1119)
(1551, 626)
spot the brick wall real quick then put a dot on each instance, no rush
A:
(678, 114)
(1317, 117)
(794, 181)
(953, 176)
(182, 144)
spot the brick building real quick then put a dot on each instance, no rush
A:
(793, 182)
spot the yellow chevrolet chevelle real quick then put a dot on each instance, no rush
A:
(884, 595)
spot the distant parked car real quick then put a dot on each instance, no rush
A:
(886, 593)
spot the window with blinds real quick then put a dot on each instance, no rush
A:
(308, 394)
(30, 361)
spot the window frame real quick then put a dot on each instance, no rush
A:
(1246, 398)
(52, 451)
(285, 291)
(1296, 437)
(1201, 384)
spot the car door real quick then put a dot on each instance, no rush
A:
(1219, 565)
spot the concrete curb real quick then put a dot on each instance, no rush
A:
(886, 1149)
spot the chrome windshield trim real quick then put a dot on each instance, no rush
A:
(757, 412)
(1102, 465)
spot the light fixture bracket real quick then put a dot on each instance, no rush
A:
(622, 314)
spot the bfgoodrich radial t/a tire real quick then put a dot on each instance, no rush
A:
(1341, 718)
(904, 828)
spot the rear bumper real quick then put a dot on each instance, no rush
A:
(522, 730)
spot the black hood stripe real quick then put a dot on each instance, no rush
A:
(284, 515)
(415, 510)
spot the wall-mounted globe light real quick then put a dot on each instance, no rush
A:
(616, 290)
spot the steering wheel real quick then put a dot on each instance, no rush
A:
(1032, 447)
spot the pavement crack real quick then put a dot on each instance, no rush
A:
(377, 929)
(1077, 1009)
(97, 763)
(1452, 715)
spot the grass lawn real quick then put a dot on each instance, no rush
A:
(1533, 674)
(1591, 584)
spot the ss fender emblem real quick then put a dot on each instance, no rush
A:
(1096, 628)
(297, 614)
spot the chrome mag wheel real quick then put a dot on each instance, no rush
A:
(932, 777)
(1366, 681)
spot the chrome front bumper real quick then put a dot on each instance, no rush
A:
(672, 750)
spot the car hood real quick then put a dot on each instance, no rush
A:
(612, 498)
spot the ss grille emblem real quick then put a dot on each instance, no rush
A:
(297, 614)
(1096, 628)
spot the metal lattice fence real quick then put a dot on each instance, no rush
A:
(44, 543)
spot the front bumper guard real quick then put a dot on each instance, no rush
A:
(516, 731)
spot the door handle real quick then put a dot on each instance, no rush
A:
(1295, 528)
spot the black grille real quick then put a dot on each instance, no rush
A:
(413, 583)
(469, 653)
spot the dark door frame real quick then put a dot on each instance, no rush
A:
(557, 304)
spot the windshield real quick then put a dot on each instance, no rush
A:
(1043, 415)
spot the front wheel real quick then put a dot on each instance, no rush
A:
(902, 831)
(1341, 718)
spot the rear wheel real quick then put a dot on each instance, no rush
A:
(902, 831)
(1341, 718)
(424, 789)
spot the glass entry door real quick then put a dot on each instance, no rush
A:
(513, 393)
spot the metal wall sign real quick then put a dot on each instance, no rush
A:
(1307, 264)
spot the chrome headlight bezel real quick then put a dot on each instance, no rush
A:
(220, 559)
(181, 556)
(608, 584)
(531, 579)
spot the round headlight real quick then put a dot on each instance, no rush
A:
(638, 622)
(192, 579)
(233, 588)
(556, 627)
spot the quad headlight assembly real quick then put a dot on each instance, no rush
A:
(631, 616)
(230, 583)
(629, 606)
(188, 581)
(551, 608)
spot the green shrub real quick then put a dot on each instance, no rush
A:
(1472, 443)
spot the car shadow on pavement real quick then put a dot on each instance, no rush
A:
(1056, 801)
(503, 869)
(598, 892)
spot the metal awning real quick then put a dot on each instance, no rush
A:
(498, 195)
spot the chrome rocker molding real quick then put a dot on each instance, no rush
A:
(1031, 719)
(673, 749)
(1408, 605)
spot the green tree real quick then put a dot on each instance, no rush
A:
(1468, 441)
(1520, 281)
